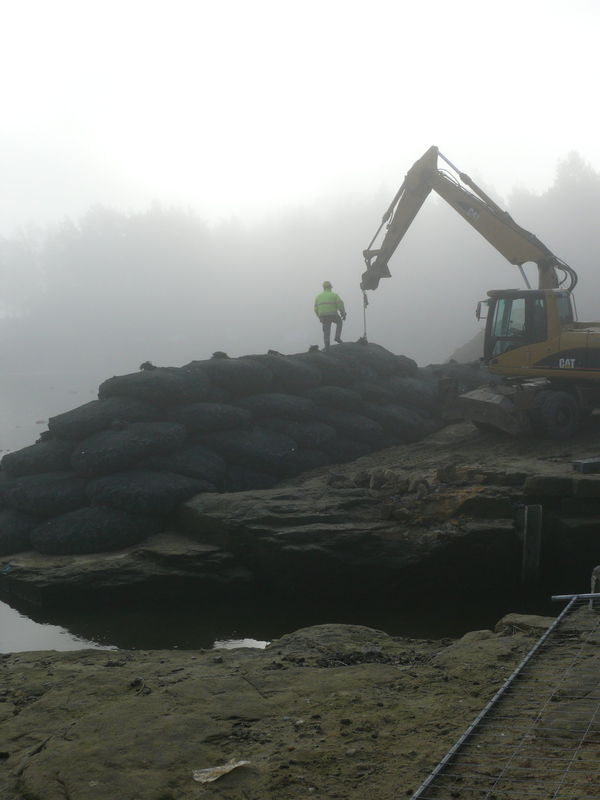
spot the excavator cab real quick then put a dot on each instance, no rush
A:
(523, 325)
(514, 319)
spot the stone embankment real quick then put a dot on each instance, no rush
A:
(428, 517)
(147, 502)
(110, 473)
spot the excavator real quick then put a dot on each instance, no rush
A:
(544, 365)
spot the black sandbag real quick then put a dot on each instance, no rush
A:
(283, 406)
(240, 376)
(51, 455)
(374, 356)
(241, 479)
(99, 415)
(426, 421)
(4, 481)
(343, 450)
(93, 529)
(336, 397)
(332, 371)
(219, 395)
(195, 461)
(46, 494)
(144, 491)
(465, 376)
(15, 530)
(114, 450)
(377, 359)
(350, 425)
(413, 391)
(355, 363)
(290, 374)
(209, 417)
(300, 461)
(373, 392)
(401, 424)
(305, 460)
(311, 435)
(161, 387)
(406, 366)
(255, 449)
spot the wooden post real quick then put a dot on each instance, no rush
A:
(529, 522)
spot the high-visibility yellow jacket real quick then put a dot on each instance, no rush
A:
(328, 302)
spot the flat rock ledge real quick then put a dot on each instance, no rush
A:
(336, 711)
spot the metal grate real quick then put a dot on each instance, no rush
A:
(539, 736)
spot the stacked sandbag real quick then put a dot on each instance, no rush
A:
(110, 473)
(80, 489)
(464, 377)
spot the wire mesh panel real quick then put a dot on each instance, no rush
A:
(539, 737)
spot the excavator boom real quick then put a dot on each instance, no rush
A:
(516, 244)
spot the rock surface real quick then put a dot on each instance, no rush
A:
(330, 711)
(164, 565)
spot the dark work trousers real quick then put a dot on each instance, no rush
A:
(327, 321)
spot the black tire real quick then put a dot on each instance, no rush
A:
(559, 414)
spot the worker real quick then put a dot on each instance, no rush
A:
(329, 308)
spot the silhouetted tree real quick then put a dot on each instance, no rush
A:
(116, 289)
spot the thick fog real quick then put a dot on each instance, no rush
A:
(98, 296)
(112, 290)
(252, 112)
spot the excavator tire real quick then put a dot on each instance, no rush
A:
(559, 414)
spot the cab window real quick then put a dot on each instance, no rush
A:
(565, 309)
(509, 319)
(517, 321)
(537, 320)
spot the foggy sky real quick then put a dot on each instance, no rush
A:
(98, 296)
(282, 131)
(242, 110)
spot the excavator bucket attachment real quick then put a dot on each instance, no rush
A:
(488, 407)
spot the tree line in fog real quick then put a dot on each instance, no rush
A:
(114, 289)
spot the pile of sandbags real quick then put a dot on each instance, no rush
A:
(107, 474)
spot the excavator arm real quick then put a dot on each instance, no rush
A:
(516, 244)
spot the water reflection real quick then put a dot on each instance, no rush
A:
(192, 624)
(229, 644)
(18, 633)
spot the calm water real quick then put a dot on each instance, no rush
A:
(19, 632)
(28, 399)
(188, 625)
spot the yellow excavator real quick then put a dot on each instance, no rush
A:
(545, 365)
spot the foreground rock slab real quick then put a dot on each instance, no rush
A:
(330, 711)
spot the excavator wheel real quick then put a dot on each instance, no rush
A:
(559, 414)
